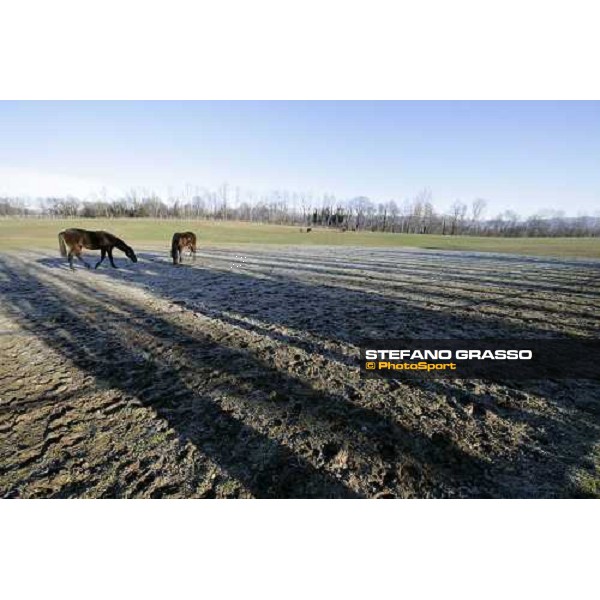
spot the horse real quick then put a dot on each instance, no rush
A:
(78, 239)
(180, 242)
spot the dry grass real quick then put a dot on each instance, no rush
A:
(41, 234)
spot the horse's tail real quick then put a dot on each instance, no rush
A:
(61, 244)
(175, 247)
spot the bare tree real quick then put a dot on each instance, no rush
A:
(478, 207)
(417, 216)
(458, 211)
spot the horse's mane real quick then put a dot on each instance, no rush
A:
(118, 242)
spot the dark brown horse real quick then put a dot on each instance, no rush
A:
(180, 242)
(78, 239)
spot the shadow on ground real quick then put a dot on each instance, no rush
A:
(307, 428)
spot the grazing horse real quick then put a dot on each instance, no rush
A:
(180, 242)
(78, 239)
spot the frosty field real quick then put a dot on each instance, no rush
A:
(237, 375)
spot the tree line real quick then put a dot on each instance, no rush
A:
(417, 215)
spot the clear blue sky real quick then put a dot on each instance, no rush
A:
(523, 156)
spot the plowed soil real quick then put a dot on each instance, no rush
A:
(237, 376)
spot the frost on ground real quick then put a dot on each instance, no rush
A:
(237, 376)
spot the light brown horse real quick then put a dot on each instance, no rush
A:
(180, 242)
(78, 239)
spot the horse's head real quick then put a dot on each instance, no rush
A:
(130, 254)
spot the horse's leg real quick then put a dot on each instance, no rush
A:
(80, 259)
(70, 259)
(102, 257)
(110, 257)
